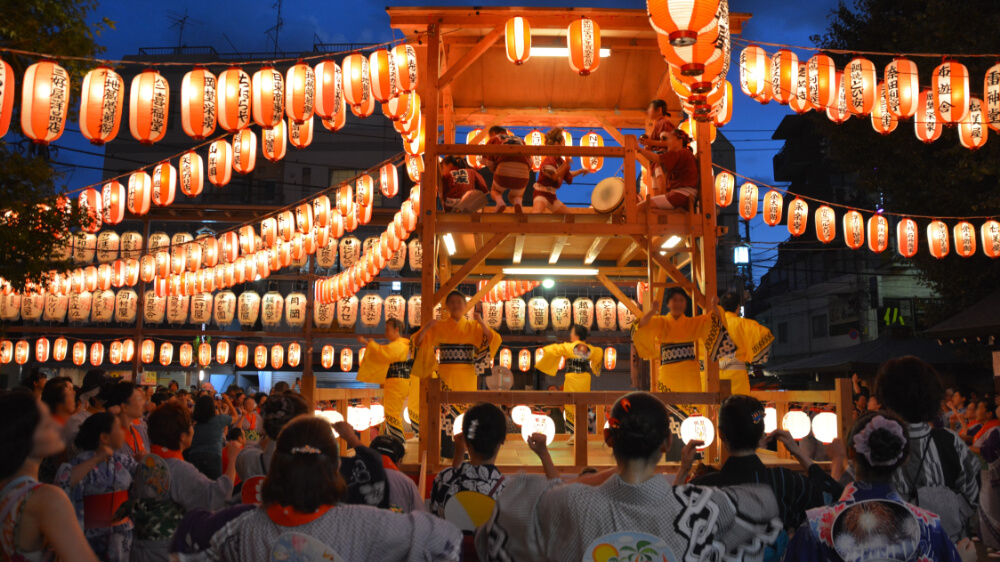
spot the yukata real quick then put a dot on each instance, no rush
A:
(98, 500)
(677, 343)
(989, 496)
(13, 497)
(546, 520)
(752, 345)
(871, 522)
(485, 479)
(389, 365)
(578, 369)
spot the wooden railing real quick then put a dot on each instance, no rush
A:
(842, 398)
(342, 397)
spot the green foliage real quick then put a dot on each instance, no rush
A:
(942, 179)
(33, 224)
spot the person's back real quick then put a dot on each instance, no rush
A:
(483, 431)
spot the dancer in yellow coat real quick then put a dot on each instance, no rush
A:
(751, 343)
(389, 365)
(461, 342)
(679, 365)
(581, 359)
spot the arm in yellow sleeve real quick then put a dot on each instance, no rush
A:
(596, 360)
(549, 363)
(425, 361)
(646, 338)
(375, 365)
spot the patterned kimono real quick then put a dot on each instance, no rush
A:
(97, 498)
(871, 522)
(577, 374)
(545, 520)
(389, 365)
(989, 496)
(752, 345)
(13, 497)
(484, 478)
(674, 342)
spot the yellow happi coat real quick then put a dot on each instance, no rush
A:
(750, 343)
(678, 343)
(379, 360)
(575, 381)
(454, 376)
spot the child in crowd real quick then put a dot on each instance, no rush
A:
(235, 435)
(249, 420)
(484, 431)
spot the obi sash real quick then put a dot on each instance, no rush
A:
(671, 353)
(99, 510)
(457, 354)
(577, 365)
(400, 369)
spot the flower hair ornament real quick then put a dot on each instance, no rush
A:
(626, 405)
(473, 425)
(613, 423)
(758, 417)
(879, 422)
(306, 450)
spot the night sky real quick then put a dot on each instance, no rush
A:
(246, 23)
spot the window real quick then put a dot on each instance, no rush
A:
(820, 326)
(339, 176)
(783, 332)
(307, 176)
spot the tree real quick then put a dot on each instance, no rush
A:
(942, 179)
(35, 218)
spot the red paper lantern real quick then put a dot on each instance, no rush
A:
(517, 35)
(275, 144)
(233, 102)
(772, 208)
(260, 357)
(101, 102)
(327, 357)
(882, 121)
(164, 184)
(338, 120)
(6, 352)
(990, 232)
(198, 103)
(244, 151)
(382, 69)
(7, 93)
(300, 92)
(192, 173)
(755, 70)
(784, 75)
(406, 67)
(965, 239)
(854, 229)
(389, 181)
(59, 349)
(44, 101)
(681, 21)
(397, 107)
(357, 80)
(826, 224)
(583, 39)
(972, 131)
(149, 106)
(91, 207)
(345, 200)
(926, 123)
(220, 163)
(185, 357)
(839, 112)
(748, 201)
(907, 237)
(937, 239)
(242, 354)
(902, 88)
(96, 354)
(277, 356)
(950, 87)
(42, 350)
(268, 97)
(861, 82)
(22, 350)
(329, 90)
(798, 217)
(300, 134)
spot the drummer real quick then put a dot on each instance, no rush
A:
(678, 167)
(511, 172)
(554, 171)
(656, 140)
(461, 189)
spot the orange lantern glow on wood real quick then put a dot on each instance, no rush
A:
(517, 34)
(937, 239)
(798, 217)
(101, 101)
(583, 38)
(198, 103)
(826, 224)
(44, 101)
(149, 106)
(233, 101)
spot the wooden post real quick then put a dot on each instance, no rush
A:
(844, 389)
(628, 168)
(581, 430)
(308, 385)
(139, 318)
(709, 286)
(430, 428)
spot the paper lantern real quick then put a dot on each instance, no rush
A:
(414, 167)
(147, 351)
(198, 103)
(583, 39)
(505, 358)
(323, 314)
(965, 239)
(272, 306)
(798, 217)
(754, 70)
(244, 151)
(79, 353)
(606, 314)
(517, 33)
(154, 308)
(538, 314)
(395, 307)
(722, 110)
(108, 244)
(398, 259)
(56, 306)
(681, 21)
(937, 239)
(7, 93)
(220, 163)
(357, 80)
(748, 201)
(583, 312)
(224, 308)
(799, 101)
(971, 131)
(878, 233)
(91, 208)
(167, 353)
(115, 352)
(6, 351)
(327, 356)
(233, 101)
(839, 112)
(797, 423)
(538, 423)
(149, 104)
(346, 359)
(300, 134)
(906, 237)
(822, 81)
(350, 251)
(882, 121)
(610, 358)
(101, 99)
(277, 356)
(950, 87)
(300, 93)
(294, 354)
(416, 255)
(524, 360)
(406, 67)
(201, 308)
(493, 314)
(248, 309)
(824, 427)
(177, 309)
(561, 313)
(535, 138)
(514, 310)
(854, 229)
(84, 247)
(698, 428)
(126, 305)
(371, 310)
(78, 307)
(22, 350)
(902, 88)
(260, 357)
(990, 232)
(927, 123)
(268, 97)
(164, 184)
(383, 73)
(295, 310)
(784, 75)
(242, 355)
(339, 118)
(44, 101)
(860, 83)
(826, 224)
(329, 89)
(347, 312)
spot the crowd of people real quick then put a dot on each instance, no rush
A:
(100, 472)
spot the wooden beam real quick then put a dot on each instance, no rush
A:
(518, 249)
(610, 272)
(654, 256)
(545, 150)
(620, 138)
(463, 272)
(557, 248)
(482, 292)
(628, 173)
(628, 254)
(629, 303)
(472, 18)
(595, 249)
(554, 228)
(472, 55)
(486, 128)
(545, 116)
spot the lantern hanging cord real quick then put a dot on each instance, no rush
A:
(99, 61)
(749, 42)
(850, 207)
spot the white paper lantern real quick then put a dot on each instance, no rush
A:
(583, 312)
(538, 314)
(797, 423)
(493, 314)
(350, 251)
(272, 306)
(126, 306)
(102, 307)
(561, 310)
(323, 314)
(248, 308)
(398, 259)
(416, 251)
(698, 428)
(625, 317)
(824, 427)
(437, 311)
(538, 423)
(10, 307)
(201, 308)
(520, 414)
(131, 245)
(371, 310)
(177, 309)
(224, 308)
(395, 307)
(108, 244)
(79, 306)
(347, 312)
(413, 311)
(154, 308)
(326, 256)
(606, 313)
(84, 247)
(370, 245)
(346, 359)
(295, 310)
(770, 420)
(514, 310)
(56, 307)
(32, 306)
(327, 356)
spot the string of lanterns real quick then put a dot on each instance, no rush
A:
(583, 43)
(856, 230)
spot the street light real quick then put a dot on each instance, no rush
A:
(741, 255)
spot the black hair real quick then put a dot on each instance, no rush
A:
(234, 433)
(456, 161)
(167, 423)
(395, 323)
(661, 105)
(120, 393)
(674, 291)
(730, 302)
(910, 387)
(639, 428)
(304, 471)
(93, 379)
(19, 417)
(280, 409)
(390, 446)
(54, 392)
(965, 391)
(884, 447)
(33, 376)
(174, 383)
(260, 397)
(280, 387)
(233, 388)
(484, 428)
(580, 331)
(741, 422)
(204, 409)
(497, 130)
(454, 294)
(159, 398)
(92, 428)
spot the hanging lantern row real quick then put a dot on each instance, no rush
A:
(855, 228)
(524, 359)
(607, 314)
(860, 91)
(229, 100)
(536, 138)
(583, 43)
(506, 290)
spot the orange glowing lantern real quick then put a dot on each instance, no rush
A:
(524, 360)
(198, 103)
(22, 351)
(861, 82)
(754, 70)
(149, 104)
(725, 185)
(389, 180)
(346, 359)
(517, 33)
(6, 352)
(592, 163)
(329, 89)
(406, 67)
(382, 69)
(101, 100)
(220, 163)
(300, 92)
(773, 205)
(535, 138)
(242, 354)
(164, 184)
(185, 355)
(268, 103)
(260, 357)
(345, 200)
(839, 113)
(722, 110)
(244, 151)
(821, 76)
(854, 229)
(971, 131)
(505, 358)
(991, 94)
(950, 87)
(44, 101)
(191, 173)
(357, 80)
(926, 123)
(826, 224)
(91, 209)
(59, 349)
(79, 353)
(7, 92)
(748, 201)
(222, 352)
(300, 134)
(167, 353)
(681, 21)
(115, 352)
(882, 121)
(233, 102)
(990, 233)
(965, 239)
(937, 239)
(42, 350)
(583, 38)
(326, 356)
(798, 217)
(275, 144)
(784, 75)
(610, 358)
(204, 354)
(902, 88)
(907, 238)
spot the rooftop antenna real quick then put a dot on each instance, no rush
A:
(180, 22)
(226, 37)
(278, 24)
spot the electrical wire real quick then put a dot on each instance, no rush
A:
(745, 41)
